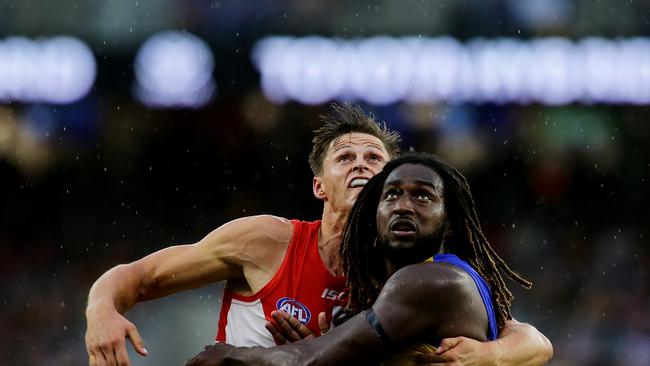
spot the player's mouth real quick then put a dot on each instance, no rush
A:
(403, 227)
(358, 182)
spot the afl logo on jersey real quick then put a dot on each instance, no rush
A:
(295, 308)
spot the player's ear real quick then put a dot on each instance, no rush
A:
(317, 187)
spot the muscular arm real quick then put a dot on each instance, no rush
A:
(418, 303)
(234, 250)
(518, 344)
(522, 344)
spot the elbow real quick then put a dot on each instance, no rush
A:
(545, 348)
(135, 284)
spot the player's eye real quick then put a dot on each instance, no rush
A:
(391, 194)
(343, 158)
(424, 196)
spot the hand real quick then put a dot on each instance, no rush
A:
(340, 316)
(286, 329)
(212, 355)
(105, 337)
(459, 351)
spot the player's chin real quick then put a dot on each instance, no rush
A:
(401, 243)
(354, 193)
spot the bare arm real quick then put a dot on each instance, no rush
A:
(522, 344)
(518, 344)
(228, 252)
(417, 303)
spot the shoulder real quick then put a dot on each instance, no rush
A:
(422, 282)
(267, 226)
(430, 275)
(246, 233)
(430, 301)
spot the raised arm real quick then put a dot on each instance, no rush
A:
(223, 254)
(420, 302)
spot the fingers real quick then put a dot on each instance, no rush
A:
(97, 357)
(284, 326)
(136, 340)
(109, 354)
(103, 359)
(447, 344)
(114, 353)
(302, 330)
(323, 324)
(429, 358)
(121, 356)
(111, 358)
(277, 336)
(289, 326)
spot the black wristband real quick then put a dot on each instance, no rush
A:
(376, 326)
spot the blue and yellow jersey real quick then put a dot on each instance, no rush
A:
(407, 355)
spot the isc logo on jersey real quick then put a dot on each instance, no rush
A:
(333, 295)
(295, 308)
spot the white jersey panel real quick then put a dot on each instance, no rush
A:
(245, 326)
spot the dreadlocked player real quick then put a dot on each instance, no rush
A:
(417, 207)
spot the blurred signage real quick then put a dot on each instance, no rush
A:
(384, 70)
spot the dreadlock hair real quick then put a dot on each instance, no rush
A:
(345, 119)
(364, 263)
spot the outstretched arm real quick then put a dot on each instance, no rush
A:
(419, 302)
(353, 343)
(221, 255)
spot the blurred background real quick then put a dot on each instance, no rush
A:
(129, 126)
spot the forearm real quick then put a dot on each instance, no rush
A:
(521, 344)
(260, 356)
(352, 343)
(120, 288)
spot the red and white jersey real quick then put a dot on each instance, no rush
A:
(302, 286)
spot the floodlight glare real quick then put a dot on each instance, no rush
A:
(57, 70)
(174, 69)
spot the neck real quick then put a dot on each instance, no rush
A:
(329, 238)
(396, 261)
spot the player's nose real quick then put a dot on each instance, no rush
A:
(403, 206)
(360, 165)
